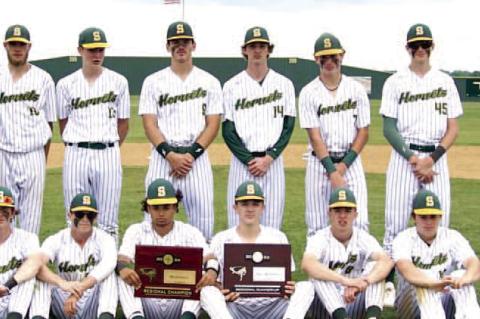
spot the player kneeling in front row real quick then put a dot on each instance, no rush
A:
(224, 304)
(15, 246)
(84, 258)
(160, 230)
(346, 264)
(437, 267)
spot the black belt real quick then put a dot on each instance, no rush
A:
(335, 159)
(422, 148)
(259, 154)
(92, 145)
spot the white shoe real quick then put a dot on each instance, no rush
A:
(389, 295)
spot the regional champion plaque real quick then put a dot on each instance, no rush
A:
(257, 270)
(168, 271)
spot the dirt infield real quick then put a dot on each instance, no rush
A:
(462, 159)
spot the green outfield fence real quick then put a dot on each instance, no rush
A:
(300, 71)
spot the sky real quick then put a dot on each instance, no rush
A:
(373, 32)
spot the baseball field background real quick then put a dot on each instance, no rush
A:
(464, 163)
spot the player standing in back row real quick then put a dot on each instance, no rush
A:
(181, 107)
(27, 113)
(420, 107)
(93, 110)
(259, 120)
(335, 110)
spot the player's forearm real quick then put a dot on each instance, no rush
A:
(318, 271)
(414, 275)
(391, 133)
(152, 131)
(382, 268)
(30, 267)
(88, 282)
(282, 142)
(210, 132)
(360, 140)
(48, 276)
(317, 143)
(472, 273)
(235, 143)
(451, 134)
(122, 129)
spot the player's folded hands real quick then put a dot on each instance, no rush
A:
(70, 306)
(73, 287)
(360, 283)
(3, 291)
(130, 277)
(349, 294)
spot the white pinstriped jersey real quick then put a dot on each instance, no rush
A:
(143, 234)
(26, 107)
(14, 250)
(448, 250)
(338, 117)
(267, 235)
(345, 260)
(181, 105)
(421, 105)
(97, 258)
(93, 109)
(258, 109)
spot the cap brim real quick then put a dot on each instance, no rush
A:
(17, 39)
(257, 40)
(162, 201)
(180, 37)
(329, 52)
(250, 197)
(342, 204)
(84, 209)
(420, 39)
(95, 45)
(428, 211)
(7, 205)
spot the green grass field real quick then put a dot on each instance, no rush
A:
(464, 208)
(469, 133)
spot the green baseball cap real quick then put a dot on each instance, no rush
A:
(179, 30)
(83, 202)
(328, 44)
(92, 38)
(17, 33)
(426, 203)
(256, 34)
(249, 190)
(161, 192)
(6, 197)
(419, 32)
(342, 197)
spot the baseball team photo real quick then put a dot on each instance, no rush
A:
(200, 159)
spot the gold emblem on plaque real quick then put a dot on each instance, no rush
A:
(149, 272)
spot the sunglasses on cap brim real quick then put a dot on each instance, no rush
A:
(90, 215)
(417, 44)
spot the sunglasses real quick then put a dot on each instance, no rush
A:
(90, 215)
(417, 44)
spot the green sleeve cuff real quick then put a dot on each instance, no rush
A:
(391, 133)
(282, 142)
(350, 157)
(235, 143)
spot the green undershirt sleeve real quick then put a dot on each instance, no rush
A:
(391, 133)
(234, 142)
(277, 149)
